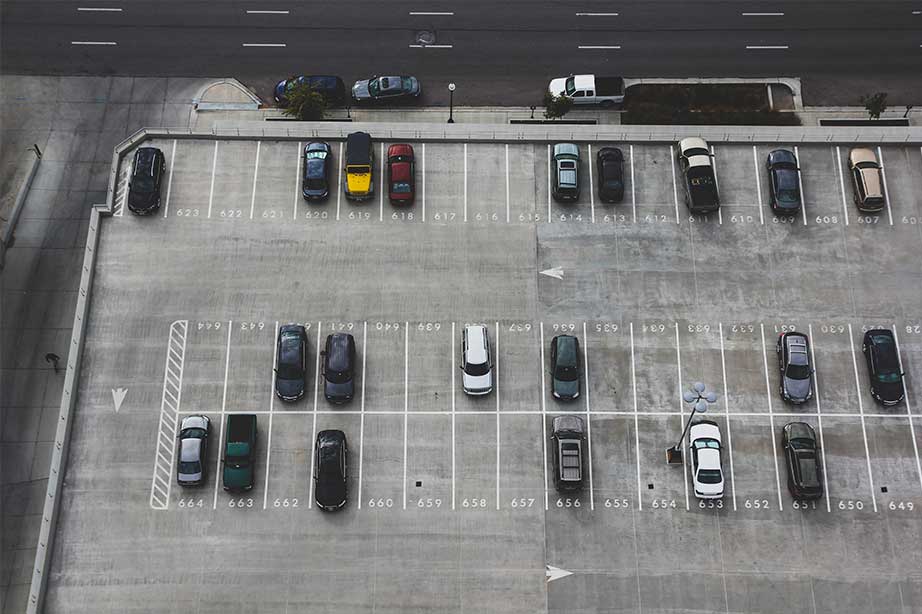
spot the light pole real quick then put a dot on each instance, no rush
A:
(698, 396)
(451, 103)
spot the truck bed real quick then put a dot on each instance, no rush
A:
(609, 86)
(240, 427)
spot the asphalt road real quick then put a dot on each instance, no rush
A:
(489, 49)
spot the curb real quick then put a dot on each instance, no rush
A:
(9, 226)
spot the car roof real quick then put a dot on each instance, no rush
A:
(800, 430)
(568, 149)
(568, 423)
(400, 149)
(862, 154)
(400, 171)
(584, 82)
(692, 142)
(708, 458)
(567, 348)
(190, 450)
(476, 344)
(339, 355)
(358, 145)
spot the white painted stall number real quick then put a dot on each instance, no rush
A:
(907, 506)
(654, 328)
(187, 212)
(428, 327)
(525, 217)
(522, 502)
(756, 504)
(429, 503)
(571, 217)
(913, 329)
(474, 503)
(849, 504)
(241, 502)
(866, 327)
(662, 504)
(208, 325)
(699, 328)
(606, 327)
(742, 219)
(272, 214)
(711, 504)
(568, 502)
(402, 215)
(619, 218)
(742, 328)
(252, 325)
(834, 329)
(520, 327)
(492, 217)
(445, 217)
(285, 503)
(387, 326)
(827, 219)
(617, 504)
(341, 326)
(783, 220)
(910, 219)
(315, 215)
(360, 215)
(868, 219)
(652, 219)
(564, 328)
(381, 502)
(785, 328)
(190, 503)
(803, 505)
(231, 213)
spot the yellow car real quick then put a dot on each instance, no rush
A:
(359, 180)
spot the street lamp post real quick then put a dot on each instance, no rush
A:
(451, 103)
(698, 397)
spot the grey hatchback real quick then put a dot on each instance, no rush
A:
(796, 371)
(565, 367)
(193, 450)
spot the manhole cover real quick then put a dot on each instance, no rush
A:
(425, 37)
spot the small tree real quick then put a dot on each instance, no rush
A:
(875, 104)
(305, 103)
(556, 107)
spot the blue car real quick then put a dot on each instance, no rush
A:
(330, 86)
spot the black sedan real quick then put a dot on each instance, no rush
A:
(800, 451)
(339, 368)
(330, 452)
(610, 165)
(332, 88)
(318, 168)
(796, 371)
(783, 182)
(386, 89)
(291, 362)
(884, 369)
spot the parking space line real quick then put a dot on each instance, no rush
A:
(864, 431)
(310, 490)
(819, 417)
(591, 189)
(317, 365)
(720, 217)
(543, 414)
(362, 411)
(838, 162)
(771, 415)
(755, 164)
(452, 364)
(678, 354)
(424, 190)
(465, 182)
(588, 416)
(912, 428)
(636, 420)
(381, 190)
(507, 183)
(275, 349)
(217, 471)
(298, 196)
(496, 392)
(883, 173)
(723, 371)
(406, 396)
(633, 194)
(675, 188)
(255, 176)
(548, 187)
(214, 166)
(169, 182)
(339, 180)
(800, 184)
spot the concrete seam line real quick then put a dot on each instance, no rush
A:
(43, 553)
(21, 195)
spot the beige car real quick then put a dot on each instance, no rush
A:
(867, 180)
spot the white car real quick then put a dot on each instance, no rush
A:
(476, 362)
(707, 475)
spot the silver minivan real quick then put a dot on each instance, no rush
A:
(476, 361)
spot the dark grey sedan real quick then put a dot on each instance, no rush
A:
(318, 167)
(398, 88)
(783, 182)
(565, 367)
(798, 441)
(796, 370)
(193, 450)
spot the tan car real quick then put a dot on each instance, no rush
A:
(867, 180)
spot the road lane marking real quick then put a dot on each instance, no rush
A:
(264, 45)
(838, 161)
(217, 471)
(588, 416)
(431, 13)
(598, 47)
(912, 428)
(406, 393)
(771, 415)
(864, 431)
(883, 173)
(169, 182)
(430, 46)
(261, 12)
(800, 184)
(169, 415)
(723, 371)
(362, 411)
(769, 47)
(597, 14)
(255, 177)
(275, 349)
(678, 354)
(762, 14)
(819, 417)
(91, 43)
(636, 421)
(97, 9)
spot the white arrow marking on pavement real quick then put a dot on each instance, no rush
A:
(554, 573)
(118, 395)
(556, 272)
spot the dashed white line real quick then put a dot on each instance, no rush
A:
(883, 177)
(298, 195)
(430, 46)
(214, 166)
(264, 45)
(771, 416)
(819, 417)
(406, 398)
(591, 189)
(597, 14)
(599, 47)
(636, 420)
(95, 9)
(431, 13)
(723, 371)
(763, 14)
(217, 471)
(255, 176)
(362, 411)
(94, 43)
(588, 412)
(864, 431)
(261, 12)
(912, 428)
(838, 161)
(768, 47)
(169, 182)
(275, 348)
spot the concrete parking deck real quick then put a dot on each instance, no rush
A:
(451, 506)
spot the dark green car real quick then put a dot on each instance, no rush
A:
(565, 367)
(239, 452)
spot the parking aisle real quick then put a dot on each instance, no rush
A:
(444, 177)
(277, 195)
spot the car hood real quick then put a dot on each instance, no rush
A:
(477, 382)
(330, 493)
(557, 86)
(358, 183)
(890, 391)
(566, 389)
(797, 388)
(289, 387)
(360, 89)
(343, 391)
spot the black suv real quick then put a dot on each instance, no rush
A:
(568, 437)
(796, 372)
(610, 169)
(146, 177)
(883, 360)
(339, 368)
(291, 362)
(330, 452)
(800, 451)
(565, 367)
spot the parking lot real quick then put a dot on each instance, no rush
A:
(451, 500)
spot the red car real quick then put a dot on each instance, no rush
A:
(401, 174)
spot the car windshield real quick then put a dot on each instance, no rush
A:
(289, 358)
(319, 155)
(709, 476)
(788, 196)
(799, 443)
(566, 373)
(570, 86)
(407, 83)
(401, 187)
(143, 183)
(477, 369)
(707, 443)
(359, 169)
(373, 87)
(190, 467)
(889, 378)
(315, 184)
(798, 371)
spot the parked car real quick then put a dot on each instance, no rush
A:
(332, 88)
(566, 367)
(358, 179)
(610, 165)
(783, 182)
(707, 474)
(476, 362)
(146, 176)
(401, 174)
(330, 466)
(867, 180)
(318, 168)
(796, 371)
(339, 368)
(239, 452)
(566, 172)
(589, 89)
(698, 178)
(386, 89)
(567, 437)
(884, 369)
(193, 450)
(291, 362)
(800, 452)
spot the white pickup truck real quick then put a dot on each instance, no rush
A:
(589, 89)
